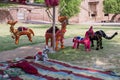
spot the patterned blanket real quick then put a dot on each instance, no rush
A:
(53, 70)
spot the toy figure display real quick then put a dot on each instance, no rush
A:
(59, 33)
(98, 37)
(16, 33)
(42, 56)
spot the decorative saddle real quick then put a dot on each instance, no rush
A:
(50, 30)
(22, 28)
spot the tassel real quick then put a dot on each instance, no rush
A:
(51, 3)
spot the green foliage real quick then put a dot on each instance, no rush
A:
(111, 6)
(6, 5)
(69, 8)
(39, 1)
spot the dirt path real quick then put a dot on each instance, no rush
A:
(26, 51)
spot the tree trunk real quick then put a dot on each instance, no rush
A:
(113, 17)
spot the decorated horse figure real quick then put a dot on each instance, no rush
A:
(98, 37)
(79, 40)
(16, 33)
(59, 33)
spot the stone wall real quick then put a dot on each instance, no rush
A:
(36, 13)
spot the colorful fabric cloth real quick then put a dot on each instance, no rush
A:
(57, 70)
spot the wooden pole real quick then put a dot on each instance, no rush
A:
(54, 39)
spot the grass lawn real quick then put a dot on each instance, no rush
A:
(109, 57)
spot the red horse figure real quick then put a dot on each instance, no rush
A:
(78, 40)
(59, 33)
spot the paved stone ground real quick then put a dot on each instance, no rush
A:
(26, 51)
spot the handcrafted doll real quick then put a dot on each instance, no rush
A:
(42, 56)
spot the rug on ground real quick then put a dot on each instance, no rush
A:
(28, 69)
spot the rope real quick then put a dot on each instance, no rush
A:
(49, 14)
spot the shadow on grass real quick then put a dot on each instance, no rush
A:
(94, 27)
(40, 26)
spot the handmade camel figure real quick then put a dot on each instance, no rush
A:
(20, 31)
(98, 37)
(59, 33)
(85, 41)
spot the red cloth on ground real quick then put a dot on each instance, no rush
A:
(26, 66)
